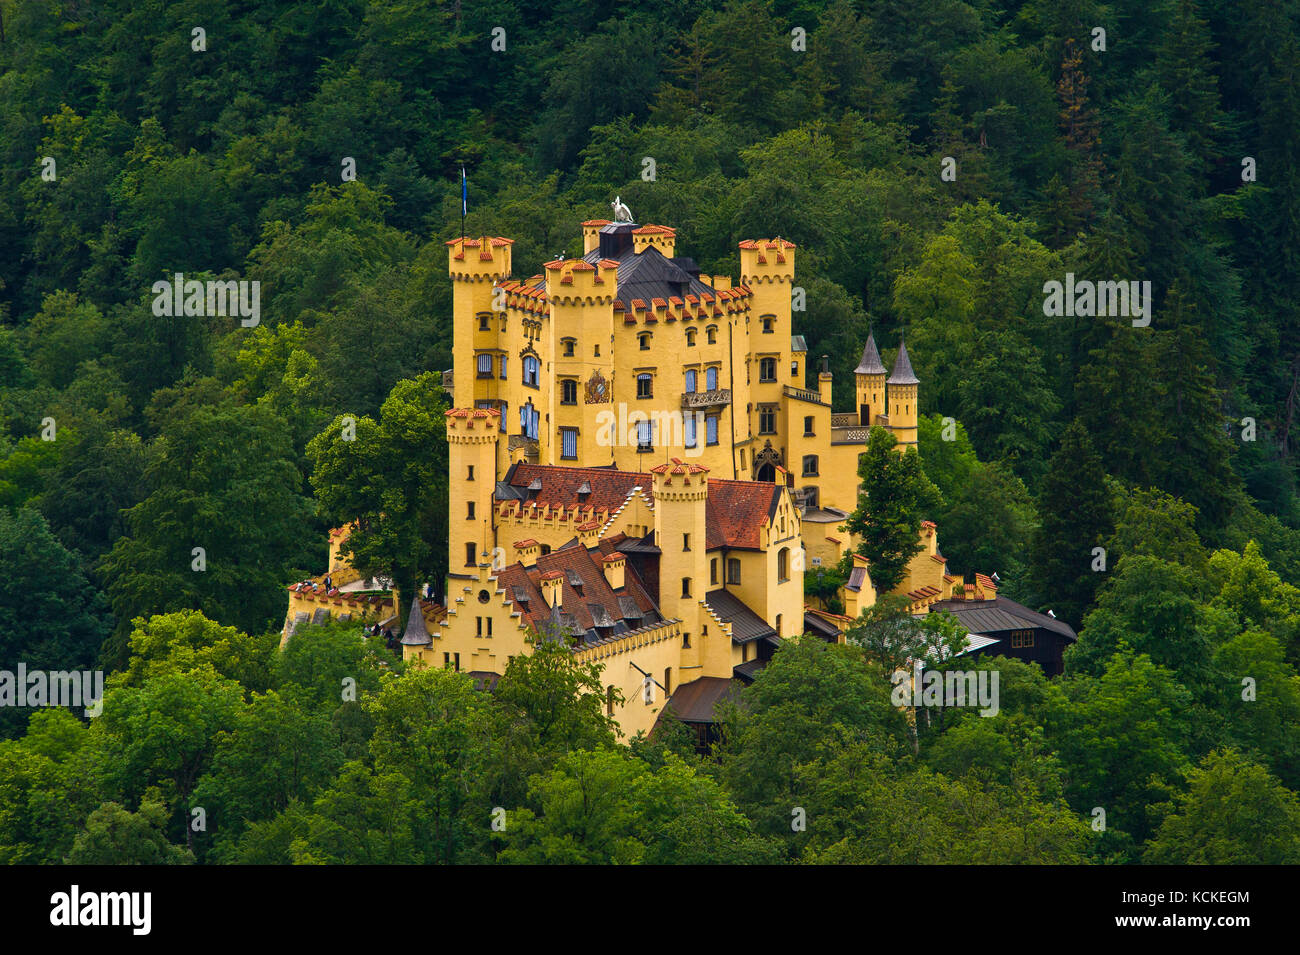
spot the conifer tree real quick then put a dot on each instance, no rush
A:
(1075, 516)
(895, 497)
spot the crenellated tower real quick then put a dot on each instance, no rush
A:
(476, 266)
(472, 435)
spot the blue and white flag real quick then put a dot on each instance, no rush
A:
(464, 192)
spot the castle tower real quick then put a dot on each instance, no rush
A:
(902, 400)
(681, 493)
(578, 345)
(869, 379)
(475, 267)
(472, 435)
(767, 268)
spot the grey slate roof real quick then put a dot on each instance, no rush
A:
(650, 274)
(903, 374)
(417, 632)
(746, 626)
(999, 615)
(871, 363)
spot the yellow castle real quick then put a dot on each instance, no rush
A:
(637, 468)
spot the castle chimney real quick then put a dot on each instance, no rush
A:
(615, 566)
(526, 551)
(553, 588)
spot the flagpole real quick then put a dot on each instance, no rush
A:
(464, 201)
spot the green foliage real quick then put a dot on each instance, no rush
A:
(185, 431)
(1075, 516)
(116, 836)
(391, 480)
(895, 497)
(223, 480)
(1234, 813)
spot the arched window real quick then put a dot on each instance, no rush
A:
(690, 337)
(644, 340)
(783, 565)
(691, 375)
(711, 379)
(712, 333)
(531, 368)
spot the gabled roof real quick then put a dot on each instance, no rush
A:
(737, 510)
(903, 374)
(870, 363)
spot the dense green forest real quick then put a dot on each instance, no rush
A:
(141, 139)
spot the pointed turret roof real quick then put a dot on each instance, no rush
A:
(417, 632)
(871, 363)
(903, 374)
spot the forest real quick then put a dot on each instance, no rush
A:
(936, 162)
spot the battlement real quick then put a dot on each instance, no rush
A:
(575, 282)
(479, 260)
(583, 521)
(473, 424)
(675, 308)
(678, 481)
(659, 237)
(766, 260)
(628, 642)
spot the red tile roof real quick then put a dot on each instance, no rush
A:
(735, 512)
(582, 563)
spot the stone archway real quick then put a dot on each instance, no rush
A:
(766, 462)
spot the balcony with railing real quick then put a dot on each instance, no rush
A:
(706, 399)
(802, 394)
